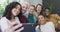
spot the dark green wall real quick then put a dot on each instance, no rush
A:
(54, 4)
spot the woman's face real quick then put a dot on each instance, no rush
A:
(47, 12)
(41, 19)
(39, 8)
(16, 10)
(31, 10)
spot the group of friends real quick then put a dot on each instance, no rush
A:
(15, 14)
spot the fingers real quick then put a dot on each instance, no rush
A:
(14, 24)
(17, 27)
(20, 29)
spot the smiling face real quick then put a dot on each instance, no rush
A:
(47, 12)
(24, 8)
(31, 10)
(16, 10)
(41, 19)
(39, 9)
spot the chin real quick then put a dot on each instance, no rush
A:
(42, 23)
(15, 15)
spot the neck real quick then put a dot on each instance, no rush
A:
(12, 18)
(38, 13)
(30, 14)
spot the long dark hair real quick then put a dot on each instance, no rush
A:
(41, 10)
(9, 8)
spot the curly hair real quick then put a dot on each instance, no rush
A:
(8, 9)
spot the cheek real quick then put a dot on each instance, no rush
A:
(31, 11)
(13, 11)
(17, 12)
(24, 8)
(42, 19)
(39, 22)
(38, 11)
(47, 13)
(38, 19)
(38, 8)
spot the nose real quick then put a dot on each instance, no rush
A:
(18, 11)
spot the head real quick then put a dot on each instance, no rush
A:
(24, 8)
(12, 9)
(41, 19)
(39, 8)
(31, 9)
(47, 11)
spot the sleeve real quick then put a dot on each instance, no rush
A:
(57, 16)
(36, 29)
(51, 27)
(3, 25)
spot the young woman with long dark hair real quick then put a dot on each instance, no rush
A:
(10, 21)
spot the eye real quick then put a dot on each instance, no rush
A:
(15, 8)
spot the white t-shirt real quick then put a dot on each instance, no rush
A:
(48, 27)
(5, 23)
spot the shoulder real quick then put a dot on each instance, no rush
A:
(53, 15)
(50, 23)
(3, 23)
(3, 19)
